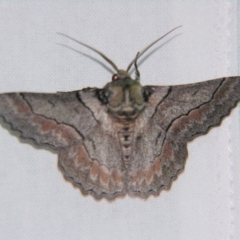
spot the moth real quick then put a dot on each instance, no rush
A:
(124, 138)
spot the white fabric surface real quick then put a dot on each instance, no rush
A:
(36, 202)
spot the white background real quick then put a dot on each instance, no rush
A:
(35, 200)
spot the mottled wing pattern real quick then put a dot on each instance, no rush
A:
(33, 116)
(185, 112)
(63, 122)
(107, 157)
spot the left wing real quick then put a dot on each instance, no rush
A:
(75, 125)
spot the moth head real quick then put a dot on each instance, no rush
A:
(123, 96)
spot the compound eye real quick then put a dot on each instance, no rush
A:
(115, 77)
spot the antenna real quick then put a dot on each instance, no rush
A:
(95, 50)
(134, 61)
(146, 48)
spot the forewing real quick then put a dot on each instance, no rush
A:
(73, 124)
(182, 114)
(44, 118)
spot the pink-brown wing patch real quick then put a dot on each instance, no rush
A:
(17, 112)
(88, 175)
(160, 173)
